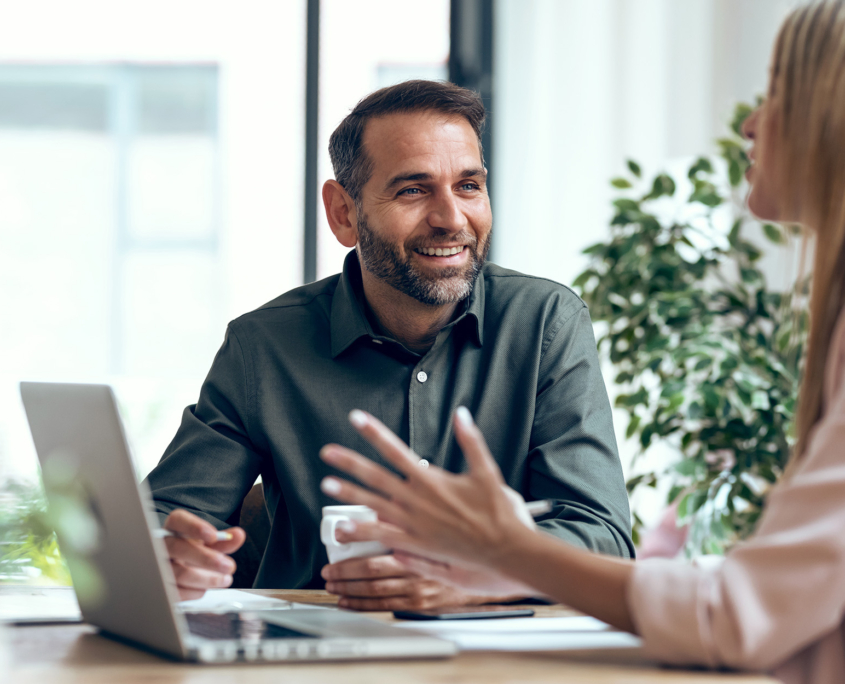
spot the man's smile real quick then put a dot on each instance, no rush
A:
(443, 255)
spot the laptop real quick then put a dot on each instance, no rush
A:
(82, 449)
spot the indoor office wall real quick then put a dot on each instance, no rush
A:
(582, 86)
(151, 190)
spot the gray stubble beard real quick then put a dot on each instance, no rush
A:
(384, 261)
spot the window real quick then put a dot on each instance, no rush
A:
(366, 45)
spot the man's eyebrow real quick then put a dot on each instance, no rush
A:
(407, 177)
(480, 172)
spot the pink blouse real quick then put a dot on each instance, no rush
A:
(776, 603)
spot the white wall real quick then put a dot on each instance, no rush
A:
(582, 86)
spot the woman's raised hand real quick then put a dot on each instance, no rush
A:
(432, 512)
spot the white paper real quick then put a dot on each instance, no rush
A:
(225, 600)
(58, 604)
(521, 625)
(528, 634)
(543, 641)
(51, 604)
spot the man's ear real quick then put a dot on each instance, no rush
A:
(341, 213)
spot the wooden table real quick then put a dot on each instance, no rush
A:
(64, 654)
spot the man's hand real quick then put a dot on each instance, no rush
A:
(198, 560)
(383, 583)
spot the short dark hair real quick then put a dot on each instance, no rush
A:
(353, 167)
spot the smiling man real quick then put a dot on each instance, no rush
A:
(416, 325)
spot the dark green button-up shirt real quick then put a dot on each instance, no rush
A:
(520, 355)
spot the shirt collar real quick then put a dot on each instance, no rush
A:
(349, 322)
(474, 313)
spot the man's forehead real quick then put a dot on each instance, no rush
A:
(394, 139)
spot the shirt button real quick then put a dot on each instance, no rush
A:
(422, 376)
(423, 463)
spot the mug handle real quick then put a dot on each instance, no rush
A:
(327, 530)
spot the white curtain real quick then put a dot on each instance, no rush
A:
(581, 86)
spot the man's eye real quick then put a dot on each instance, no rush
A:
(410, 191)
(469, 186)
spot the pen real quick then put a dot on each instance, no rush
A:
(538, 508)
(162, 533)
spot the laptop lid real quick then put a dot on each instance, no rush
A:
(84, 456)
(129, 586)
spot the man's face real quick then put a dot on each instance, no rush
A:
(424, 216)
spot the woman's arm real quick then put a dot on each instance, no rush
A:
(468, 518)
(582, 580)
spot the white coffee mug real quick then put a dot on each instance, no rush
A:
(332, 515)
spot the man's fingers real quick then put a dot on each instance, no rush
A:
(190, 594)
(230, 545)
(424, 567)
(380, 588)
(195, 554)
(474, 447)
(191, 526)
(189, 577)
(426, 595)
(374, 567)
(381, 604)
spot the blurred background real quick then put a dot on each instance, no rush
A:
(160, 161)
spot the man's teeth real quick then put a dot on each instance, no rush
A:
(439, 251)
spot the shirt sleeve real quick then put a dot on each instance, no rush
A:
(776, 593)
(211, 463)
(573, 458)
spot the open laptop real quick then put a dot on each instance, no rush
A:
(78, 427)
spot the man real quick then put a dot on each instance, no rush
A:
(415, 326)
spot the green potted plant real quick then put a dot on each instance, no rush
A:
(708, 356)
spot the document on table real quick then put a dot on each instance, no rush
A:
(528, 634)
(58, 604)
(226, 600)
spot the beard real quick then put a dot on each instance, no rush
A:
(388, 263)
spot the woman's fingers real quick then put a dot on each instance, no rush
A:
(362, 469)
(353, 494)
(385, 442)
(376, 477)
(475, 448)
(392, 536)
(380, 531)
(424, 480)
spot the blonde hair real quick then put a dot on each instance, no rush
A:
(807, 94)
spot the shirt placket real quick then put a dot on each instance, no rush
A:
(425, 393)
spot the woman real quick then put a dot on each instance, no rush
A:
(777, 601)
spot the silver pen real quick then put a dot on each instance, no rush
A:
(538, 508)
(162, 533)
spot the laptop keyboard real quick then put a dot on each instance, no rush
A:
(237, 626)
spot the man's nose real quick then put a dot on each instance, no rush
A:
(447, 213)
